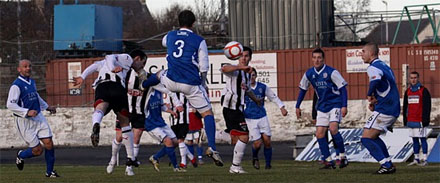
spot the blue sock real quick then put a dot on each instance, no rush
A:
(268, 155)
(323, 146)
(191, 149)
(382, 146)
(210, 130)
(151, 81)
(26, 154)
(424, 145)
(375, 151)
(49, 155)
(255, 152)
(200, 151)
(339, 141)
(160, 153)
(172, 156)
(416, 145)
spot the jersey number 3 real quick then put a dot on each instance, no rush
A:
(179, 44)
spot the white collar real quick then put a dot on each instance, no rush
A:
(21, 78)
(185, 29)
(323, 67)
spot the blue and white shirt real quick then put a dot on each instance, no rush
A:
(23, 97)
(187, 56)
(326, 83)
(386, 92)
(261, 91)
(153, 111)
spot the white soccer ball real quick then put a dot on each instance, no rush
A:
(233, 50)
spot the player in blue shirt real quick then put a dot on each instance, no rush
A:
(188, 65)
(331, 106)
(27, 106)
(257, 121)
(155, 125)
(384, 102)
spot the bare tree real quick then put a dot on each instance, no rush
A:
(350, 16)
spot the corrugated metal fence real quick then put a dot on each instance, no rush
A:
(291, 66)
(293, 63)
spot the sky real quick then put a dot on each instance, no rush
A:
(156, 6)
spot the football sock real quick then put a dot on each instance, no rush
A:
(339, 141)
(26, 154)
(127, 140)
(97, 116)
(210, 131)
(115, 149)
(135, 150)
(382, 146)
(255, 152)
(189, 154)
(416, 145)
(172, 156)
(49, 155)
(160, 153)
(323, 146)
(376, 152)
(190, 148)
(268, 155)
(424, 145)
(238, 152)
(183, 151)
(199, 151)
(425, 156)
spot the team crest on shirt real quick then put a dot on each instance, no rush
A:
(158, 96)
(25, 87)
(324, 75)
(260, 90)
(313, 76)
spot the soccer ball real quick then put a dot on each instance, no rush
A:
(233, 50)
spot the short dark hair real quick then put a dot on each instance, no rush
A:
(254, 70)
(186, 18)
(245, 48)
(319, 50)
(415, 72)
(139, 53)
(374, 48)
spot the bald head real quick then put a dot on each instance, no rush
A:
(370, 52)
(24, 68)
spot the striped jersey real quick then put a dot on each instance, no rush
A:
(233, 93)
(136, 97)
(105, 67)
(183, 117)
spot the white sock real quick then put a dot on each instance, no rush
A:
(183, 150)
(238, 152)
(127, 140)
(115, 149)
(425, 157)
(135, 150)
(416, 156)
(97, 116)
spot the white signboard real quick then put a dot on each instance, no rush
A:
(356, 64)
(264, 63)
(73, 70)
(399, 146)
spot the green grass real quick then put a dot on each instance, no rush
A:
(283, 171)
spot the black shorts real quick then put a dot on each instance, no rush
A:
(136, 121)
(235, 122)
(113, 93)
(180, 130)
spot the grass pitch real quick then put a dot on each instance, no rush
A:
(282, 171)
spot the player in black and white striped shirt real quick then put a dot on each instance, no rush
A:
(237, 86)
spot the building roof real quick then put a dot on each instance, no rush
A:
(405, 35)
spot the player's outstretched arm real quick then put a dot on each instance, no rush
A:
(302, 94)
(232, 68)
(89, 70)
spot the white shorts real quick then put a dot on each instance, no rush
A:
(324, 118)
(257, 127)
(418, 132)
(33, 129)
(196, 95)
(380, 121)
(195, 135)
(160, 133)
